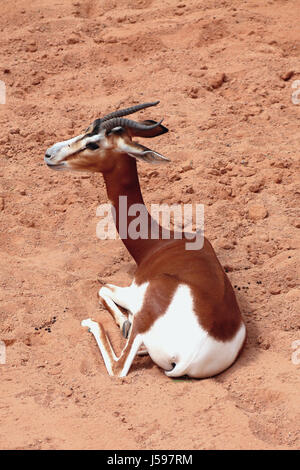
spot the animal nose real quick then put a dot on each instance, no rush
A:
(47, 155)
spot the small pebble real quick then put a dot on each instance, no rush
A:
(257, 212)
(287, 75)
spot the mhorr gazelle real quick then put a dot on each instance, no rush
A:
(181, 307)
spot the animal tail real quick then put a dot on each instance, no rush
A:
(178, 370)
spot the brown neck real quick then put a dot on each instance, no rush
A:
(123, 181)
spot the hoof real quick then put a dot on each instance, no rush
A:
(126, 328)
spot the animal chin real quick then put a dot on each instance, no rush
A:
(58, 166)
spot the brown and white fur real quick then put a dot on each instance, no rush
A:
(181, 305)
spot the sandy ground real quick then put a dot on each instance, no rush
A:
(223, 72)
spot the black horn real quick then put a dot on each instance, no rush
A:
(127, 124)
(125, 112)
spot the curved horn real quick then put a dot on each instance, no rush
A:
(127, 123)
(131, 110)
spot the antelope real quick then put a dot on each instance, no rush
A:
(181, 307)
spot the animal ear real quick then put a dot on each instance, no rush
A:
(140, 152)
(159, 130)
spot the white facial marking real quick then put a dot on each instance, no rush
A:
(53, 151)
(59, 151)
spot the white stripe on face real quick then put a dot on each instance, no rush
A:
(59, 151)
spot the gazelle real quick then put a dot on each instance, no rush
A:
(181, 305)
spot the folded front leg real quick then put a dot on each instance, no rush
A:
(116, 366)
(120, 295)
(105, 295)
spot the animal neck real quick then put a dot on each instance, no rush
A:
(123, 191)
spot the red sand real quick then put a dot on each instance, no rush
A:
(223, 73)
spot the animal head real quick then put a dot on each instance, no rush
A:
(105, 141)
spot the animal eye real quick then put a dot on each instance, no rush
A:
(92, 146)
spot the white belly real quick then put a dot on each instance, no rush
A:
(177, 338)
